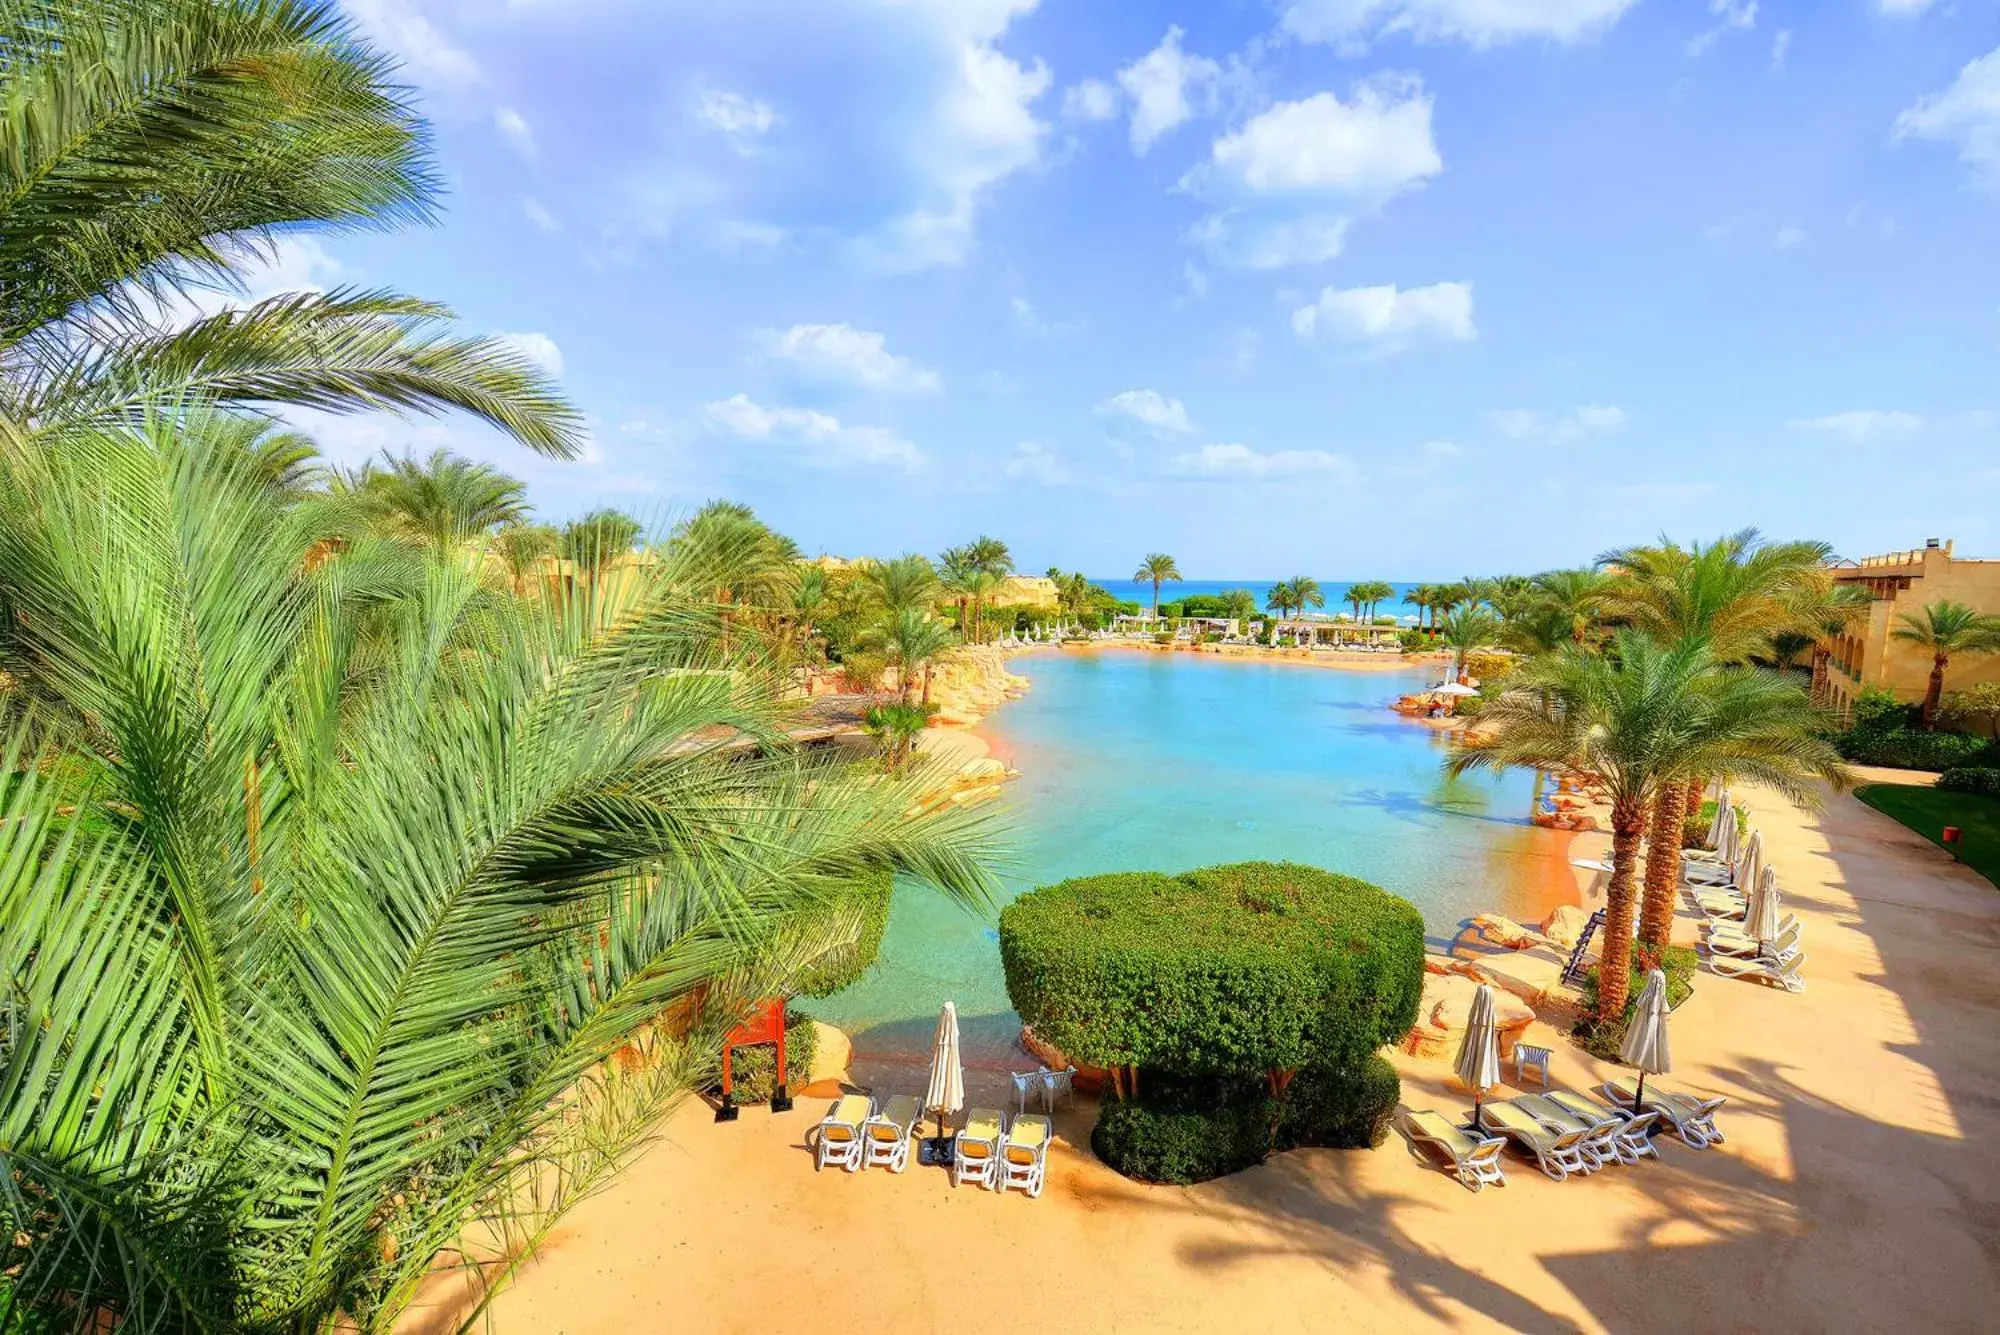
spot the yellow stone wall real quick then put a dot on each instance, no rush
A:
(1904, 583)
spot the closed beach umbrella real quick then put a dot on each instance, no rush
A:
(946, 1092)
(1645, 1045)
(1751, 862)
(1760, 918)
(1478, 1063)
(1722, 835)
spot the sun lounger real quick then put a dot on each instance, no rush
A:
(1784, 972)
(1732, 942)
(838, 1135)
(1556, 1151)
(1473, 1161)
(976, 1148)
(1600, 1127)
(1692, 1119)
(1632, 1139)
(1024, 1154)
(886, 1135)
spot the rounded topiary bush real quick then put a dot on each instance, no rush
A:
(1341, 1109)
(1239, 969)
(1186, 1130)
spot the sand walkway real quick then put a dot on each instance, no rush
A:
(1857, 1190)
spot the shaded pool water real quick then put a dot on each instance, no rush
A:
(1168, 761)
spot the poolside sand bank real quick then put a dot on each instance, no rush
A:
(1852, 1193)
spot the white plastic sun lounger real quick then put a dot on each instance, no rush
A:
(1692, 1119)
(1784, 972)
(1024, 1154)
(1633, 1139)
(838, 1135)
(886, 1135)
(976, 1149)
(1599, 1125)
(1474, 1161)
(1555, 1151)
(1732, 942)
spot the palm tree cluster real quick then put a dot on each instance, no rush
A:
(1366, 596)
(1648, 676)
(971, 575)
(1289, 596)
(376, 865)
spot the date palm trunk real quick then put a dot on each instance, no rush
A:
(1614, 968)
(1663, 873)
(1935, 691)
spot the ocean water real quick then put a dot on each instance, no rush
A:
(1141, 592)
(1135, 760)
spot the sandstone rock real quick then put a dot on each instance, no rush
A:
(1504, 931)
(1565, 925)
(1442, 1013)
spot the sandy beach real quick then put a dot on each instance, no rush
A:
(1851, 1193)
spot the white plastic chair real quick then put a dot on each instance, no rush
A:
(1055, 1085)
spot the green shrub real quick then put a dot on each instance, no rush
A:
(1183, 1130)
(1237, 969)
(860, 913)
(1910, 748)
(1414, 641)
(1602, 1040)
(1341, 1110)
(754, 1071)
(1971, 780)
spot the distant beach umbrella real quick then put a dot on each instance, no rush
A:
(1760, 918)
(1478, 1063)
(1645, 1045)
(1723, 837)
(1750, 861)
(1454, 688)
(946, 1092)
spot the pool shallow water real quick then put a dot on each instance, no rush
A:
(1135, 760)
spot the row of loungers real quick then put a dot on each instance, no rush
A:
(1564, 1131)
(987, 1150)
(1714, 891)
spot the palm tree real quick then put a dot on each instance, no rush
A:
(899, 726)
(443, 502)
(979, 586)
(1157, 567)
(1372, 593)
(990, 555)
(157, 146)
(1239, 605)
(1357, 594)
(907, 581)
(1423, 598)
(319, 950)
(522, 548)
(1467, 631)
(914, 641)
(597, 540)
(1638, 720)
(1306, 592)
(1282, 598)
(1577, 597)
(1945, 629)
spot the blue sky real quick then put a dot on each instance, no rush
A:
(1375, 288)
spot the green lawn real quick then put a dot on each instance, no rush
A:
(1928, 811)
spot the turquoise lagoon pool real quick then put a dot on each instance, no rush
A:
(1142, 760)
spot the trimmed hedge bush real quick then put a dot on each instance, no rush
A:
(1971, 780)
(863, 909)
(1235, 970)
(1341, 1110)
(1910, 748)
(1186, 1130)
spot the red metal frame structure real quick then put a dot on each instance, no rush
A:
(764, 1024)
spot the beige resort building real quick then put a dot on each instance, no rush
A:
(1904, 583)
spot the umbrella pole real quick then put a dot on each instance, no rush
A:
(1639, 1095)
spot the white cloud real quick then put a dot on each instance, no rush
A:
(539, 349)
(1563, 429)
(1903, 8)
(1033, 462)
(1091, 100)
(981, 130)
(1787, 237)
(1781, 48)
(1030, 322)
(1439, 451)
(1150, 409)
(1736, 15)
(425, 52)
(734, 114)
(815, 438)
(1387, 316)
(1292, 179)
(1372, 148)
(1862, 425)
(842, 353)
(513, 127)
(1968, 114)
(1351, 23)
(1235, 460)
(1161, 85)
(538, 214)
